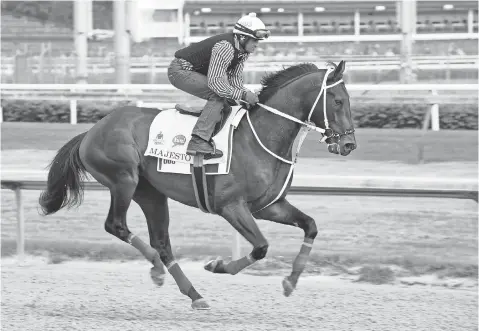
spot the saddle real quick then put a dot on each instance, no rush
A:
(168, 142)
(196, 111)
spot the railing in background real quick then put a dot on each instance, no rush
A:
(167, 95)
(257, 62)
(48, 69)
(18, 185)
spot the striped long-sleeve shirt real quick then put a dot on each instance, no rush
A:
(226, 83)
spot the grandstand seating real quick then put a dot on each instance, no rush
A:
(30, 27)
(330, 25)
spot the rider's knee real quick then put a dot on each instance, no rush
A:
(213, 97)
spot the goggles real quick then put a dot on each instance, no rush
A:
(258, 34)
(261, 34)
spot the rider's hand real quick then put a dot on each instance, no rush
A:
(250, 97)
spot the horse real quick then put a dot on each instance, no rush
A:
(295, 99)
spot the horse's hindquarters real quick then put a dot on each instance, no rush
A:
(114, 146)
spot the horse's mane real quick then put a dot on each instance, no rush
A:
(270, 83)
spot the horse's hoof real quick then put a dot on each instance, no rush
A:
(157, 276)
(200, 304)
(212, 265)
(288, 287)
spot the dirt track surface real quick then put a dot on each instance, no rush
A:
(81, 295)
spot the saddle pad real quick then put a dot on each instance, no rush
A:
(170, 133)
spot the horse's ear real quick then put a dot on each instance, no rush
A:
(339, 69)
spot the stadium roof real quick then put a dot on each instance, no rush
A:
(331, 6)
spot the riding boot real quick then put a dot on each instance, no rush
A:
(200, 142)
(198, 145)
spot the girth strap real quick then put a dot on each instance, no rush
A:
(200, 185)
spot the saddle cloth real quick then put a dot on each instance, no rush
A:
(170, 133)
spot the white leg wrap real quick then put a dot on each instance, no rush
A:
(130, 238)
(169, 265)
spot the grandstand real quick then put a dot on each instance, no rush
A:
(329, 17)
(300, 29)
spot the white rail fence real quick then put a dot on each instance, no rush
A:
(165, 95)
(60, 66)
(18, 185)
(258, 64)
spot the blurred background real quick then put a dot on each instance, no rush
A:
(383, 41)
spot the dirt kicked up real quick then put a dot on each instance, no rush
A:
(115, 296)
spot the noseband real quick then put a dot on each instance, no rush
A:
(306, 126)
(327, 131)
(328, 138)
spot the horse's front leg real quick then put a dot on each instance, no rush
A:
(239, 216)
(283, 212)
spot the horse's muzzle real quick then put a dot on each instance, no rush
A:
(333, 148)
(348, 148)
(344, 151)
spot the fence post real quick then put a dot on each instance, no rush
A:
(236, 247)
(427, 119)
(73, 112)
(435, 115)
(20, 224)
(420, 143)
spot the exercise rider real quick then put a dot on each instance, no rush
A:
(212, 69)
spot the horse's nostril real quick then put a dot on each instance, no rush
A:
(350, 146)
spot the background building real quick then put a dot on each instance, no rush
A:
(38, 37)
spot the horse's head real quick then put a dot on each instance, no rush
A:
(303, 94)
(328, 106)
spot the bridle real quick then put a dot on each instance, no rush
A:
(327, 131)
(306, 127)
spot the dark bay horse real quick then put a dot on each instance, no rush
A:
(112, 151)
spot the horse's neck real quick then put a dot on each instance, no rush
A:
(275, 132)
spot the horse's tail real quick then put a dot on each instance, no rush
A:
(64, 186)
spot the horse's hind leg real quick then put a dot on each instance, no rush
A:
(122, 180)
(155, 207)
(122, 191)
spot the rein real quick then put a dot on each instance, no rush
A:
(306, 126)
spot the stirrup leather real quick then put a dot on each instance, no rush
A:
(212, 142)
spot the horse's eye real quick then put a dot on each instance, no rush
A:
(338, 102)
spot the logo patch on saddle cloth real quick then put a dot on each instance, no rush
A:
(170, 133)
(159, 139)
(179, 140)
